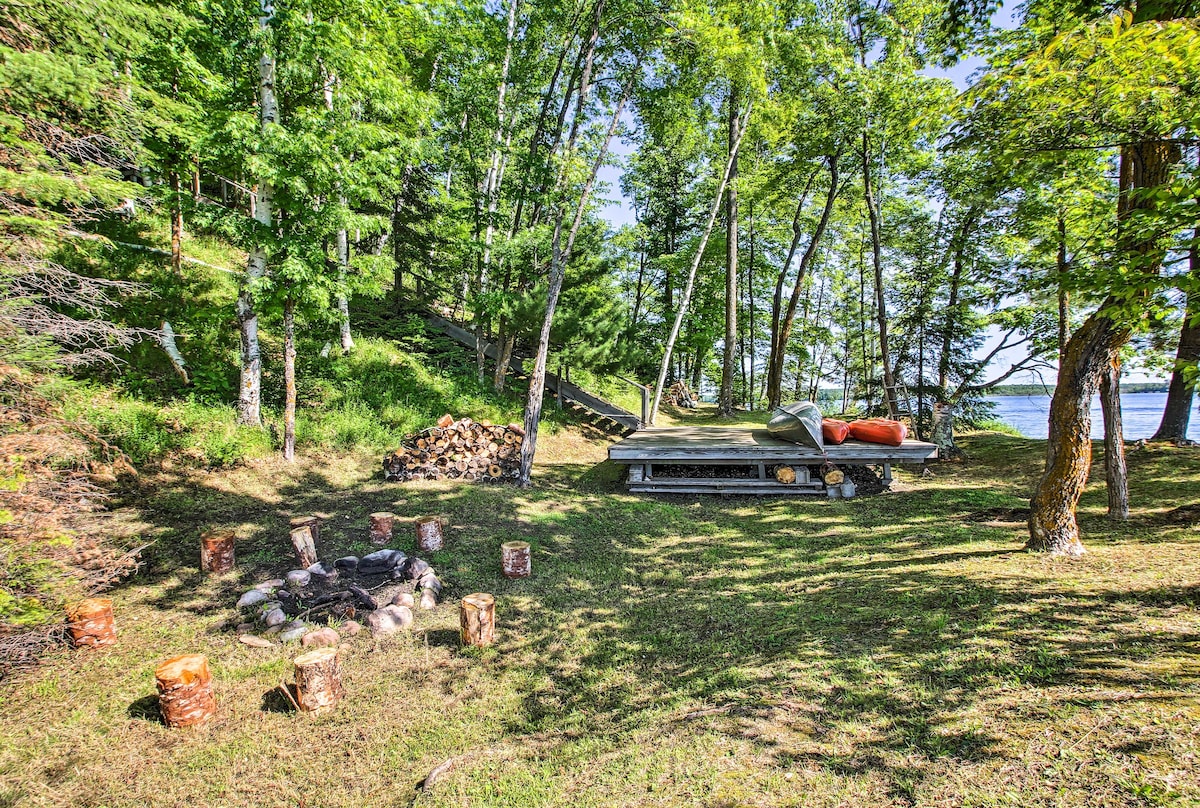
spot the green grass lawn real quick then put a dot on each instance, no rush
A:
(895, 650)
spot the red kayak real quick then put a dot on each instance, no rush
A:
(834, 431)
(878, 430)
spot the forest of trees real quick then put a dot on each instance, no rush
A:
(813, 208)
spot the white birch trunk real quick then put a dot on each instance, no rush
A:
(491, 185)
(691, 281)
(250, 390)
(558, 258)
(167, 340)
(343, 248)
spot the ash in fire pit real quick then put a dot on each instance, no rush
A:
(381, 588)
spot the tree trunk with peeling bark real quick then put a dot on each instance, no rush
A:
(1089, 353)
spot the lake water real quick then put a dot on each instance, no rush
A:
(1140, 415)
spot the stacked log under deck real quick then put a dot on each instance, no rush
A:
(718, 447)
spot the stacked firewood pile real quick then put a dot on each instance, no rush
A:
(680, 396)
(457, 450)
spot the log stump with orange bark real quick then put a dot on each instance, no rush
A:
(318, 680)
(185, 691)
(216, 551)
(91, 623)
(477, 616)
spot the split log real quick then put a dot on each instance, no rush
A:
(216, 551)
(477, 616)
(515, 559)
(313, 522)
(445, 421)
(305, 544)
(429, 534)
(785, 475)
(382, 524)
(185, 692)
(91, 623)
(318, 680)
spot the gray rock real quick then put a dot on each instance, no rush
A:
(293, 634)
(347, 563)
(323, 570)
(270, 606)
(255, 642)
(352, 628)
(431, 582)
(428, 599)
(379, 561)
(270, 586)
(275, 617)
(273, 630)
(245, 628)
(404, 599)
(389, 620)
(251, 598)
(411, 570)
(294, 624)
(299, 578)
(321, 637)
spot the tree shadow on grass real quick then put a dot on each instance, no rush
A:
(853, 636)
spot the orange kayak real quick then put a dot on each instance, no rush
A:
(834, 431)
(878, 430)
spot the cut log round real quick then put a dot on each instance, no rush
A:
(318, 680)
(429, 534)
(515, 559)
(305, 545)
(313, 522)
(382, 524)
(91, 622)
(785, 475)
(445, 421)
(216, 551)
(185, 692)
(834, 477)
(477, 615)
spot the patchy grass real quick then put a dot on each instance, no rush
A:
(881, 651)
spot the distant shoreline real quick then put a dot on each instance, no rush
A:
(1048, 389)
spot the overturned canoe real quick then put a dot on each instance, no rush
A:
(799, 422)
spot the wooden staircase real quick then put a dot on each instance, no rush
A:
(564, 391)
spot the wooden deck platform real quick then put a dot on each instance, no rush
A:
(744, 446)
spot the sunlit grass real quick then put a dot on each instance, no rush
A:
(671, 651)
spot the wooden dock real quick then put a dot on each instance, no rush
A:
(744, 446)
